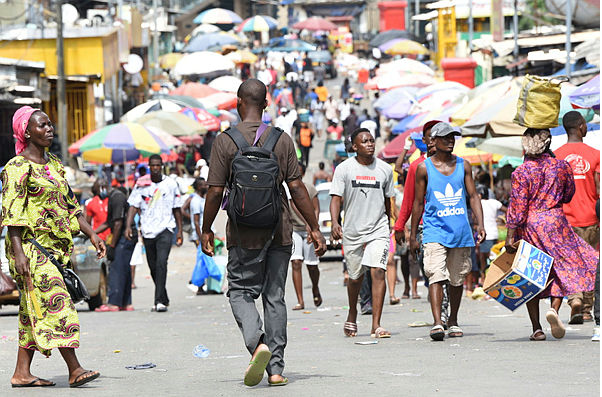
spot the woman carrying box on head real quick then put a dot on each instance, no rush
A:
(539, 188)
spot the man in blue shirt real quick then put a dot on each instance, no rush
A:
(445, 181)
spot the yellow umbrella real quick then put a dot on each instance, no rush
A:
(480, 97)
(474, 155)
(168, 61)
(407, 47)
(242, 56)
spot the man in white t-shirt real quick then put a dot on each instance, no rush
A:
(364, 185)
(160, 214)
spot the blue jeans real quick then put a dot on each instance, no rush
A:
(120, 275)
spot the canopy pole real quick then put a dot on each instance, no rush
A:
(491, 173)
(125, 172)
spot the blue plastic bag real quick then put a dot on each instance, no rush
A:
(204, 268)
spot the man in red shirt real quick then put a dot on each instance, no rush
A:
(581, 211)
(97, 206)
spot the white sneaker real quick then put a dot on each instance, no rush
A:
(596, 335)
(160, 307)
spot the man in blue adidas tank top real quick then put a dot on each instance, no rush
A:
(445, 181)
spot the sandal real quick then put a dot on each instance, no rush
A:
(394, 300)
(256, 369)
(82, 379)
(37, 382)
(318, 300)
(437, 333)
(282, 382)
(298, 306)
(556, 325)
(380, 333)
(107, 308)
(538, 335)
(416, 296)
(350, 329)
(455, 332)
(405, 296)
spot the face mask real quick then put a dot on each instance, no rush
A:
(103, 194)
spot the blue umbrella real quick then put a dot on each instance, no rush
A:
(402, 125)
(561, 131)
(203, 42)
(393, 96)
(286, 45)
(587, 95)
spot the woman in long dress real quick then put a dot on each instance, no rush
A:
(539, 188)
(37, 204)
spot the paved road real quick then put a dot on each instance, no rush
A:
(494, 358)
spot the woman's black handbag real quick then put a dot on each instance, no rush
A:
(76, 287)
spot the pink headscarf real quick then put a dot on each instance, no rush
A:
(20, 121)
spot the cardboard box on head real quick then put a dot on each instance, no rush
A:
(514, 279)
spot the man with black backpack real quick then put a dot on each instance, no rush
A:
(253, 161)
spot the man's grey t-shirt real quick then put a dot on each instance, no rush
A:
(363, 188)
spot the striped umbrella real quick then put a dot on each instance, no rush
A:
(258, 23)
(118, 143)
(152, 106)
(203, 117)
(217, 16)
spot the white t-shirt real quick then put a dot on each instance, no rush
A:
(363, 188)
(156, 203)
(197, 205)
(344, 110)
(490, 209)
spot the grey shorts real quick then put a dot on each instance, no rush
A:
(362, 256)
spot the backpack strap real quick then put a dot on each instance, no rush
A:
(272, 139)
(237, 137)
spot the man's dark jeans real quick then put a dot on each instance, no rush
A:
(157, 252)
(120, 274)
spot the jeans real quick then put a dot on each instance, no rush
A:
(245, 284)
(157, 252)
(120, 274)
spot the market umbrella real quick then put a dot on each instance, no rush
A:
(195, 90)
(204, 28)
(184, 100)
(289, 45)
(193, 139)
(203, 117)
(403, 47)
(474, 155)
(394, 148)
(388, 35)
(217, 16)
(241, 56)
(257, 23)
(203, 42)
(406, 65)
(587, 95)
(397, 79)
(220, 100)
(118, 143)
(169, 140)
(203, 64)
(398, 110)
(168, 61)
(444, 88)
(174, 123)
(395, 95)
(152, 106)
(226, 84)
(482, 96)
(315, 23)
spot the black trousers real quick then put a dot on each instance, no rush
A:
(157, 252)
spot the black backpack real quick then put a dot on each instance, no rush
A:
(255, 195)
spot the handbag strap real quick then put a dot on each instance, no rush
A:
(48, 255)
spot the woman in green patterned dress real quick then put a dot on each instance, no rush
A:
(38, 204)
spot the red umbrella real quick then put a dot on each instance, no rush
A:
(221, 100)
(192, 139)
(393, 149)
(195, 90)
(205, 118)
(315, 23)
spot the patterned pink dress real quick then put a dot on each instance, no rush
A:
(539, 188)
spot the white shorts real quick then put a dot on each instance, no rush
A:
(360, 257)
(303, 251)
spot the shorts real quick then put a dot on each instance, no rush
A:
(446, 264)
(361, 256)
(303, 251)
(485, 246)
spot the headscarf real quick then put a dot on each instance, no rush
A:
(536, 141)
(20, 122)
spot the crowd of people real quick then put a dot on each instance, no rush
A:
(436, 217)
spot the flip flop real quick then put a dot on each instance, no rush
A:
(405, 296)
(416, 297)
(394, 300)
(380, 333)
(298, 307)
(282, 382)
(141, 366)
(437, 333)
(538, 335)
(33, 383)
(455, 332)
(256, 369)
(83, 380)
(556, 325)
